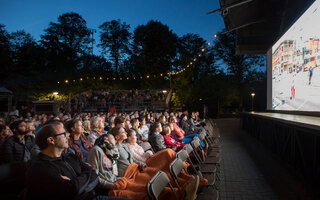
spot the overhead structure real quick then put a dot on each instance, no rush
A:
(259, 23)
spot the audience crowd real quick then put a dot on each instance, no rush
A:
(94, 155)
(121, 99)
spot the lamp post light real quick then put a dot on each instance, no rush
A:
(252, 96)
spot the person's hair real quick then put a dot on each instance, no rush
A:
(100, 140)
(115, 131)
(118, 120)
(45, 132)
(162, 119)
(52, 120)
(165, 130)
(86, 122)
(15, 124)
(95, 122)
(129, 132)
(141, 118)
(153, 127)
(70, 124)
(133, 121)
(2, 127)
(171, 119)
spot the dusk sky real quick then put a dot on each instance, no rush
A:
(182, 16)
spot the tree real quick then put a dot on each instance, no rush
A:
(190, 84)
(239, 67)
(114, 37)
(154, 48)
(28, 56)
(5, 52)
(65, 42)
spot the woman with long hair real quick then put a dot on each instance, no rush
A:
(155, 138)
(136, 150)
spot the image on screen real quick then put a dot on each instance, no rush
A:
(296, 64)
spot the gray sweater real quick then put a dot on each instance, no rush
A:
(97, 159)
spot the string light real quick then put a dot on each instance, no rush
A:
(148, 76)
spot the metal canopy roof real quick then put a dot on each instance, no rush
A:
(259, 23)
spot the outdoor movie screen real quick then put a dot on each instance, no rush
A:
(296, 65)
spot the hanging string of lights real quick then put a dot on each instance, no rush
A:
(100, 78)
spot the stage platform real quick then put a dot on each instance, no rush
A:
(298, 120)
(294, 138)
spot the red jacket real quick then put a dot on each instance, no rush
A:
(169, 141)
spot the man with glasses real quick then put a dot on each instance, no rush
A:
(55, 175)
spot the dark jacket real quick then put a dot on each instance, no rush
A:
(13, 150)
(156, 141)
(185, 127)
(44, 178)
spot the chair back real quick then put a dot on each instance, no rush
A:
(182, 155)
(188, 148)
(175, 167)
(146, 146)
(156, 184)
(195, 143)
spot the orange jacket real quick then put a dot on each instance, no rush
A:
(178, 131)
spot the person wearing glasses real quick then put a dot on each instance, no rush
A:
(55, 175)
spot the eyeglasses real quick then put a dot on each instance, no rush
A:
(64, 133)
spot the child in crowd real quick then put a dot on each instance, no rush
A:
(169, 141)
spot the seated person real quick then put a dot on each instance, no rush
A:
(181, 134)
(55, 175)
(136, 150)
(144, 129)
(194, 123)
(17, 148)
(5, 132)
(135, 177)
(95, 129)
(126, 157)
(77, 141)
(155, 138)
(135, 126)
(103, 158)
(169, 141)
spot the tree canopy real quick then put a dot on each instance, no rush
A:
(149, 57)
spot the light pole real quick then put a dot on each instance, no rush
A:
(252, 95)
(92, 31)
